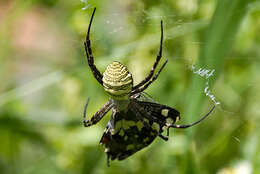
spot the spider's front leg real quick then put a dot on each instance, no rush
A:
(150, 78)
(98, 115)
(158, 58)
(141, 89)
(89, 54)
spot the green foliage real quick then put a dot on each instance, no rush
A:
(45, 81)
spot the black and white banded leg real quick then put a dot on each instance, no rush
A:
(159, 56)
(141, 89)
(98, 115)
(89, 54)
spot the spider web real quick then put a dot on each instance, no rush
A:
(114, 22)
(86, 5)
(181, 28)
(206, 73)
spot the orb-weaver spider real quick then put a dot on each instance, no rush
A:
(134, 123)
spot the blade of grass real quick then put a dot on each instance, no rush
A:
(218, 42)
(30, 87)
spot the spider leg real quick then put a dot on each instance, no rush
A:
(192, 124)
(98, 115)
(108, 160)
(89, 54)
(159, 56)
(165, 138)
(151, 81)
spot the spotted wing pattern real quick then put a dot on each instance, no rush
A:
(130, 131)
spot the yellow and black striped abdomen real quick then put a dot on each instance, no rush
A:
(117, 81)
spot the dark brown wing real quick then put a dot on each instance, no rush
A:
(126, 134)
(130, 131)
(157, 112)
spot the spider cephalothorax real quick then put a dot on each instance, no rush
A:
(135, 122)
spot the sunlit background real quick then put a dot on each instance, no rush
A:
(45, 82)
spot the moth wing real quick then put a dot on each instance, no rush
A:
(158, 112)
(129, 134)
(144, 97)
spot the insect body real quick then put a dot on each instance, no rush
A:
(135, 122)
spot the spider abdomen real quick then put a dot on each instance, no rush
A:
(117, 81)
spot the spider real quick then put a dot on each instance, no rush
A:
(135, 121)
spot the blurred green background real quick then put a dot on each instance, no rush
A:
(45, 81)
